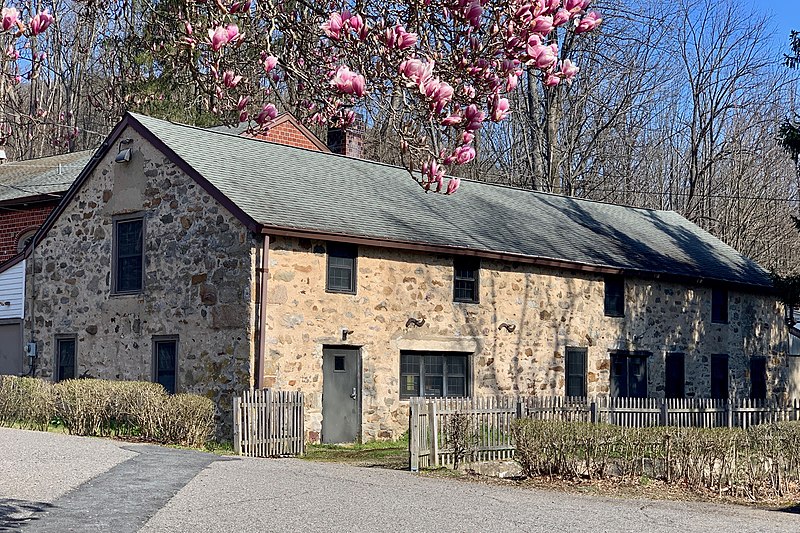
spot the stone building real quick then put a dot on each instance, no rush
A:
(214, 263)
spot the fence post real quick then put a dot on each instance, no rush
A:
(519, 408)
(433, 433)
(237, 425)
(663, 420)
(413, 437)
(593, 411)
(728, 413)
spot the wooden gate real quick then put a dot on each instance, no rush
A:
(268, 423)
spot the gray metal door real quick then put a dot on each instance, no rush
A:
(11, 357)
(341, 395)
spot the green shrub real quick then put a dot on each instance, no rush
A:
(26, 402)
(761, 461)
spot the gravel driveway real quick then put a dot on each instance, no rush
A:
(59, 483)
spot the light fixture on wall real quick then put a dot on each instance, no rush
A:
(414, 322)
(345, 333)
(508, 327)
(123, 154)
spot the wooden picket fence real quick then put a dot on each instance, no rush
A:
(268, 423)
(491, 419)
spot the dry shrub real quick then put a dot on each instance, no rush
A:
(759, 462)
(187, 419)
(26, 402)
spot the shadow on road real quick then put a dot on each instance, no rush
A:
(16, 513)
(793, 509)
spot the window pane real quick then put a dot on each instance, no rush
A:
(614, 296)
(719, 376)
(434, 364)
(456, 365)
(637, 371)
(409, 375)
(66, 359)
(576, 372)
(465, 279)
(341, 268)
(675, 376)
(719, 305)
(619, 376)
(434, 385)
(129, 256)
(758, 378)
(166, 355)
(456, 386)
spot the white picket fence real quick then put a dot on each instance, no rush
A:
(268, 423)
(491, 419)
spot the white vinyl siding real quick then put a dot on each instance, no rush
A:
(12, 291)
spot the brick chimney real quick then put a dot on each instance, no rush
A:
(348, 141)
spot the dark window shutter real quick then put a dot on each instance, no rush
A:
(719, 376)
(758, 378)
(575, 366)
(675, 375)
(619, 376)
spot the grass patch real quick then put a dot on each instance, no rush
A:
(383, 454)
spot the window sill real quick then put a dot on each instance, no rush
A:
(125, 294)
(466, 301)
(613, 316)
(333, 291)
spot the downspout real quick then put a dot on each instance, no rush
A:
(263, 275)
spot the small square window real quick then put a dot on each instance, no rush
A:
(614, 304)
(341, 275)
(338, 363)
(719, 305)
(165, 363)
(466, 272)
(128, 256)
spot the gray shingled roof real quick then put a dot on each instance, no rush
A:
(45, 175)
(287, 187)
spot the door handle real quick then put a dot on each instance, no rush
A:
(354, 394)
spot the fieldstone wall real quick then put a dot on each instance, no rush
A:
(199, 280)
(552, 309)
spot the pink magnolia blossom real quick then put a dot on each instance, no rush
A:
(188, 27)
(453, 185)
(40, 22)
(511, 82)
(551, 80)
(464, 154)
(230, 79)
(432, 173)
(568, 70)
(10, 17)
(269, 63)
(218, 37)
(333, 27)
(399, 38)
(12, 52)
(543, 56)
(474, 117)
(233, 33)
(499, 107)
(452, 120)
(576, 6)
(348, 82)
(589, 22)
(543, 24)
(242, 103)
(267, 114)
(417, 71)
(243, 116)
(550, 6)
(474, 12)
(561, 17)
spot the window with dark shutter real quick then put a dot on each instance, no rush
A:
(614, 304)
(65, 358)
(165, 363)
(341, 275)
(466, 273)
(719, 305)
(629, 374)
(576, 371)
(433, 374)
(758, 378)
(719, 376)
(128, 256)
(675, 375)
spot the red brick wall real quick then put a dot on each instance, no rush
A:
(16, 222)
(286, 133)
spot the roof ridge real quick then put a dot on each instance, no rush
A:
(389, 165)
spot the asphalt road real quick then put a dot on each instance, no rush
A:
(52, 482)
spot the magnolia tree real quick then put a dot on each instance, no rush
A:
(439, 69)
(21, 57)
(442, 68)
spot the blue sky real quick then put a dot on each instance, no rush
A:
(784, 16)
